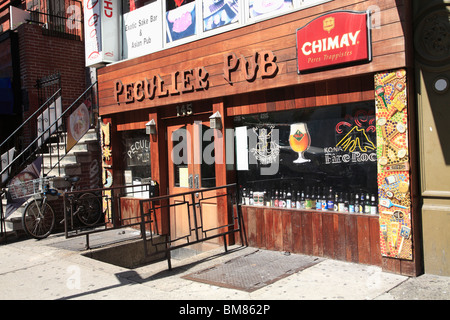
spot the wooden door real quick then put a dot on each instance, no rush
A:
(191, 167)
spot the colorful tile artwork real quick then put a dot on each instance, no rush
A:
(394, 195)
(105, 133)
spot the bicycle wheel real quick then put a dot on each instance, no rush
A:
(38, 219)
(89, 209)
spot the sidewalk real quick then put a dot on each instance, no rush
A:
(43, 270)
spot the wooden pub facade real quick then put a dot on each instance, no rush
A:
(314, 107)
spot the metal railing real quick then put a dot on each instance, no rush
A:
(50, 120)
(197, 231)
(64, 19)
(2, 217)
(111, 199)
(152, 216)
(13, 162)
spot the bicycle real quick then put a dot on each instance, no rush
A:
(38, 219)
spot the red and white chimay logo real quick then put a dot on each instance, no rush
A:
(334, 38)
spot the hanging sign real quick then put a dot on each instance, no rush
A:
(336, 38)
(101, 31)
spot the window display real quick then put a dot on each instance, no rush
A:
(148, 26)
(264, 7)
(217, 13)
(180, 16)
(136, 160)
(320, 158)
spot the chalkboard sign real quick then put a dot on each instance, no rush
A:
(333, 146)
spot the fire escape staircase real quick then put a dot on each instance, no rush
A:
(49, 141)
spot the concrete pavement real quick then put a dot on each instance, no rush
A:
(44, 270)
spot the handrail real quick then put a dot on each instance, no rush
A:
(196, 231)
(29, 118)
(2, 217)
(47, 130)
(64, 113)
(156, 236)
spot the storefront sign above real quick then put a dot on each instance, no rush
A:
(336, 38)
(101, 29)
(260, 65)
(155, 87)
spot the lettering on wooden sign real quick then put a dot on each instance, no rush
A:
(262, 64)
(155, 87)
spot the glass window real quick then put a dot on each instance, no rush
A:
(258, 8)
(152, 25)
(179, 155)
(136, 161)
(331, 147)
(131, 5)
(218, 13)
(208, 165)
(180, 18)
(142, 27)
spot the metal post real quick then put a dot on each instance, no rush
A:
(143, 233)
(66, 231)
(2, 216)
(194, 204)
(87, 241)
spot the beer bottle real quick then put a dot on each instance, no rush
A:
(324, 199)
(357, 203)
(308, 199)
(346, 202)
(289, 199)
(330, 200)
(266, 199)
(251, 200)
(272, 199)
(351, 204)
(361, 203)
(276, 200)
(318, 199)
(300, 200)
(282, 201)
(341, 204)
(373, 205)
(294, 200)
(367, 205)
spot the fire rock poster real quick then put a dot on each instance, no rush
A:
(393, 165)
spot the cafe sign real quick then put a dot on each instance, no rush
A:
(336, 38)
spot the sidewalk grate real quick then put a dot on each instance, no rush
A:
(254, 271)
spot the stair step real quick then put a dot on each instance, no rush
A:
(62, 148)
(91, 135)
(53, 159)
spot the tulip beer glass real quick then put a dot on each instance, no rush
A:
(300, 140)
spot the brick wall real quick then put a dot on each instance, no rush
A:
(9, 66)
(42, 55)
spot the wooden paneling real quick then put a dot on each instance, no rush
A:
(347, 237)
(276, 35)
(330, 92)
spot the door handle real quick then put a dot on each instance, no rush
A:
(190, 182)
(196, 181)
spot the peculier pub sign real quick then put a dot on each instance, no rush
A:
(336, 38)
